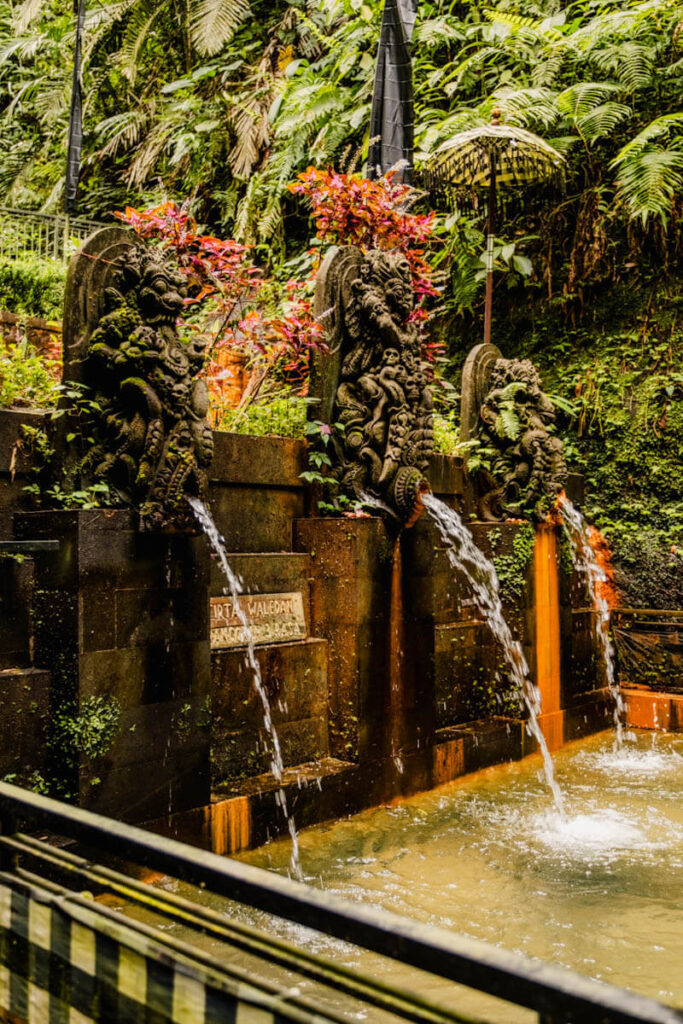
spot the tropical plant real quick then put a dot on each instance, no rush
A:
(231, 305)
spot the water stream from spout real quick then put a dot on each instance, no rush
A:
(466, 558)
(586, 562)
(206, 521)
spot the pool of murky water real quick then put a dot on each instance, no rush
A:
(599, 891)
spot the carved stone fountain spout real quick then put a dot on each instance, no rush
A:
(505, 409)
(373, 383)
(150, 441)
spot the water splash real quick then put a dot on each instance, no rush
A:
(635, 762)
(205, 520)
(586, 834)
(586, 562)
(466, 558)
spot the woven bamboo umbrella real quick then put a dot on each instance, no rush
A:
(485, 159)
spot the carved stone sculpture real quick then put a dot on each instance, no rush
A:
(373, 381)
(152, 441)
(505, 407)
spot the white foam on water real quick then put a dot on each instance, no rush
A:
(632, 761)
(604, 832)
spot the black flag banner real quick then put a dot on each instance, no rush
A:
(392, 120)
(73, 160)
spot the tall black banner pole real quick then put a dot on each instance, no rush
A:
(392, 119)
(73, 160)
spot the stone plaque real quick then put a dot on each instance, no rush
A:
(272, 618)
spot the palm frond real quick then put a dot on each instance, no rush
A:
(137, 32)
(26, 14)
(214, 23)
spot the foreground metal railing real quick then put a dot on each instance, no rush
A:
(50, 236)
(555, 994)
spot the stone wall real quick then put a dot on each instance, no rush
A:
(394, 683)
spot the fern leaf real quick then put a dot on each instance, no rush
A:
(507, 423)
(137, 32)
(649, 182)
(602, 120)
(654, 130)
(434, 32)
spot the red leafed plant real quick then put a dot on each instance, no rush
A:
(351, 210)
(247, 326)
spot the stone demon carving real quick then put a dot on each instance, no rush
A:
(373, 382)
(505, 407)
(153, 444)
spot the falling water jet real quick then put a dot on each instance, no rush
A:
(586, 561)
(466, 558)
(205, 520)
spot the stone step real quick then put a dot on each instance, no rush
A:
(295, 680)
(25, 696)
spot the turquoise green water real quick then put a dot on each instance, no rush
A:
(600, 892)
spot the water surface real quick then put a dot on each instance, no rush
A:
(599, 891)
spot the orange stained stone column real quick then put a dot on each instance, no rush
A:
(547, 604)
(230, 823)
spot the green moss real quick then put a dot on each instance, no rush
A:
(512, 568)
(566, 554)
(488, 698)
(80, 732)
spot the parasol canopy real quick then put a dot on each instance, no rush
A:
(516, 157)
(487, 158)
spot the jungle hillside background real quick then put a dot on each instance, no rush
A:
(220, 104)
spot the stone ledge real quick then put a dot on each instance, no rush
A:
(651, 709)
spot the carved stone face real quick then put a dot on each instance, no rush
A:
(161, 291)
(399, 290)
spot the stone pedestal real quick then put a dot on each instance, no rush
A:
(350, 587)
(120, 618)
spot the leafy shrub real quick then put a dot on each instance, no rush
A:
(230, 303)
(26, 378)
(281, 416)
(32, 286)
(446, 435)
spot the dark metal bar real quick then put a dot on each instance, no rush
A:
(72, 869)
(547, 989)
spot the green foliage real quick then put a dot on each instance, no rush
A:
(319, 475)
(281, 416)
(32, 286)
(234, 98)
(621, 370)
(25, 380)
(446, 433)
(54, 485)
